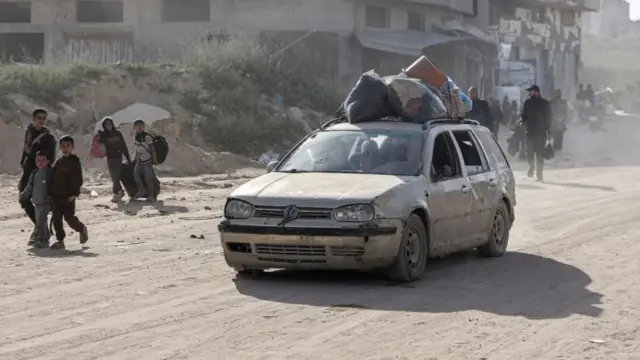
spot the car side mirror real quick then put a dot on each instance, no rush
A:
(271, 166)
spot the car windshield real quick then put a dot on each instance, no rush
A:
(362, 151)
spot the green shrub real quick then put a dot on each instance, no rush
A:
(240, 84)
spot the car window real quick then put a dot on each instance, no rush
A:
(493, 149)
(445, 163)
(358, 151)
(475, 161)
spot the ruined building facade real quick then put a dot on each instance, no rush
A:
(332, 38)
(540, 42)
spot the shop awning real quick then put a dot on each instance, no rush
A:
(405, 42)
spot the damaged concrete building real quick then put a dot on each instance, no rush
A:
(539, 40)
(540, 43)
(337, 38)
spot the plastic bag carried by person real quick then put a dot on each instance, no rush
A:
(368, 100)
(412, 100)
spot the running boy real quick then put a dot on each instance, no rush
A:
(37, 191)
(65, 188)
(145, 159)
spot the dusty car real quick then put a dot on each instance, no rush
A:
(378, 195)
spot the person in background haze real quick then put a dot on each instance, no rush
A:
(536, 119)
(37, 138)
(515, 115)
(559, 113)
(498, 116)
(480, 110)
(116, 148)
(506, 111)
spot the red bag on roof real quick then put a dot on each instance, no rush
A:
(97, 149)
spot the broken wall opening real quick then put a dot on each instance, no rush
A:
(99, 11)
(22, 47)
(16, 12)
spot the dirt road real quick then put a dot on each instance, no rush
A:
(146, 289)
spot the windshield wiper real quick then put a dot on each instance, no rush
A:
(294, 171)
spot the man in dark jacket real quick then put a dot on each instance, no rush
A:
(37, 139)
(480, 110)
(536, 119)
(116, 148)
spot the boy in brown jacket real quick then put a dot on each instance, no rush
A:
(65, 188)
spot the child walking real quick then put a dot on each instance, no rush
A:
(145, 159)
(65, 188)
(37, 191)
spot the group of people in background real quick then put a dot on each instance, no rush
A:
(51, 185)
(540, 124)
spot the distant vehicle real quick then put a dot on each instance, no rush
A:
(376, 195)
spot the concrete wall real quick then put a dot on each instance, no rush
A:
(142, 19)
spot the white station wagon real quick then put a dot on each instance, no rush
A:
(376, 195)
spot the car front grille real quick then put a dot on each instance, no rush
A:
(305, 213)
(309, 250)
(293, 250)
(347, 251)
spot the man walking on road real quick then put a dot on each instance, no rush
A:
(480, 110)
(536, 119)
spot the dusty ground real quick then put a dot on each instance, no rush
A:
(147, 290)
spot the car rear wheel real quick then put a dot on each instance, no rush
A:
(498, 237)
(412, 253)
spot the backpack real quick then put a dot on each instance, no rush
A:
(97, 150)
(161, 146)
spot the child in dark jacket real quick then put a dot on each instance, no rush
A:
(116, 149)
(65, 188)
(37, 192)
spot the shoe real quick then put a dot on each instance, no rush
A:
(530, 173)
(41, 245)
(33, 237)
(152, 200)
(140, 196)
(59, 245)
(117, 197)
(539, 177)
(84, 235)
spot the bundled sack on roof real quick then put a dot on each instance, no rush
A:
(412, 100)
(368, 100)
(456, 102)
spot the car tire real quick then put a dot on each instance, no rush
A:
(413, 252)
(498, 237)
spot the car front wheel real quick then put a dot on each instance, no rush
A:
(412, 253)
(498, 237)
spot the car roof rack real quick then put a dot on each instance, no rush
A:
(426, 125)
(331, 122)
(448, 121)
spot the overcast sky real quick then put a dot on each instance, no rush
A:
(635, 9)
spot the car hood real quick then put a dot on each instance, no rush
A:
(315, 189)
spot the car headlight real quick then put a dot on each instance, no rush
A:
(355, 213)
(238, 209)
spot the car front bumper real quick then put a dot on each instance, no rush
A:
(267, 246)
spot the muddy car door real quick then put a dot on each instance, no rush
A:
(482, 179)
(448, 193)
